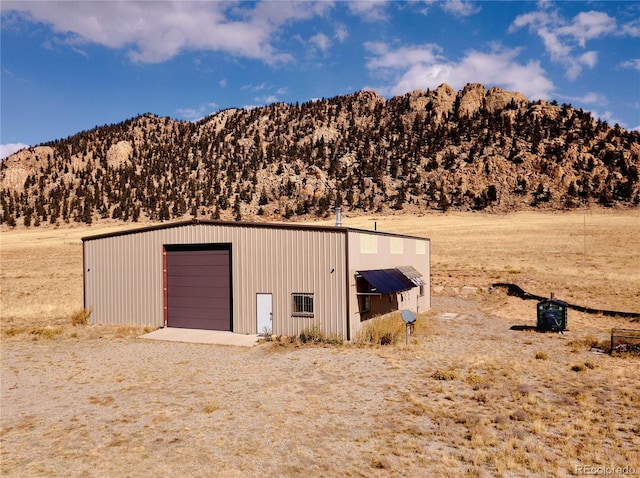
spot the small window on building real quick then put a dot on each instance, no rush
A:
(421, 290)
(365, 303)
(302, 305)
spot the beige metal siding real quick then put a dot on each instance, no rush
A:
(368, 251)
(123, 280)
(124, 276)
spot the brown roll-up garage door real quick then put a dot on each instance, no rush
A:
(198, 287)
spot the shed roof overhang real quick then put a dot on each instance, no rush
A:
(412, 274)
(386, 281)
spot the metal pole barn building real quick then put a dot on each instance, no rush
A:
(250, 278)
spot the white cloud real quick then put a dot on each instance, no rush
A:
(422, 67)
(158, 31)
(459, 7)
(574, 65)
(590, 98)
(609, 117)
(261, 101)
(589, 25)
(632, 28)
(321, 41)
(10, 148)
(196, 114)
(190, 114)
(251, 87)
(370, 10)
(554, 46)
(589, 58)
(561, 37)
(341, 33)
(634, 64)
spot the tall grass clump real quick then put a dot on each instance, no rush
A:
(45, 332)
(313, 335)
(386, 330)
(80, 317)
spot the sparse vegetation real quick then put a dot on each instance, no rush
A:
(314, 335)
(210, 407)
(309, 336)
(339, 411)
(589, 342)
(45, 332)
(444, 375)
(80, 317)
(387, 330)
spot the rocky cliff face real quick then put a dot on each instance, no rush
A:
(436, 149)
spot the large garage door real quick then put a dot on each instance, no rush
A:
(198, 285)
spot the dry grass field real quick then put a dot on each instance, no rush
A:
(468, 396)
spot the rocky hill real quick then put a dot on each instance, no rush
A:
(475, 149)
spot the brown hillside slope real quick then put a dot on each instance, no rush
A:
(476, 149)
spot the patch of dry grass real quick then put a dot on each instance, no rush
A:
(386, 330)
(80, 317)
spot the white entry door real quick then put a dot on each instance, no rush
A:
(264, 304)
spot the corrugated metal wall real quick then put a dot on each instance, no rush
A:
(124, 276)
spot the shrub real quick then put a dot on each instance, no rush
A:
(14, 331)
(444, 375)
(578, 367)
(313, 335)
(80, 317)
(267, 334)
(541, 356)
(589, 342)
(45, 332)
(519, 416)
(386, 330)
(474, 379)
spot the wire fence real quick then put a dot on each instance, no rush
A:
(625, 341)
(513, 289)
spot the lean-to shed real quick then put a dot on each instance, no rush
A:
(251, 278)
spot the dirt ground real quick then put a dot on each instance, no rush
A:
(468, 396)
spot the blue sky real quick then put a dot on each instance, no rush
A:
(70, 66)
